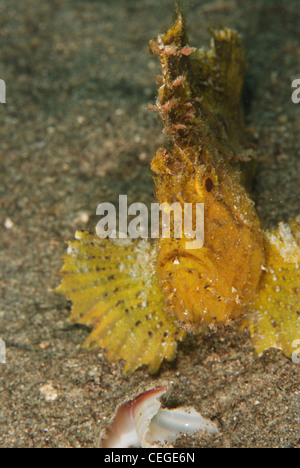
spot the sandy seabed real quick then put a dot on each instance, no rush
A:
(75, 131)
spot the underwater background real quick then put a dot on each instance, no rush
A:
(75, 131)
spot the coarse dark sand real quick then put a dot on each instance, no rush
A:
(75, 131)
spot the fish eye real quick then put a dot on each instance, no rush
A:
(209, 185)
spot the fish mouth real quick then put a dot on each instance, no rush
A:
(206, 270)
(175, 255)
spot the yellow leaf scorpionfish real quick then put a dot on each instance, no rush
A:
(141, 297)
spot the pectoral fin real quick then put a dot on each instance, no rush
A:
(275, 318)
(114, 290)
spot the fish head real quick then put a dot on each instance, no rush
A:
(209, 266)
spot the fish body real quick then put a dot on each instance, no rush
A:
(199, 102)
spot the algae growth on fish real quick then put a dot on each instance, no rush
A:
(140, 297)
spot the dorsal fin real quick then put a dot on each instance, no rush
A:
(199, 98)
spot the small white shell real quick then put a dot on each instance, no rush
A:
(169, 423)
(142, 423)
